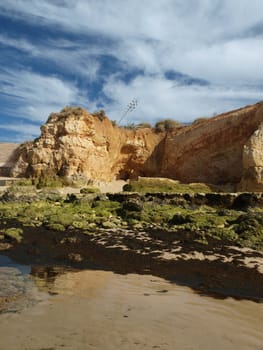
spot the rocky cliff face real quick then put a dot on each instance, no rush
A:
(212, 151)
(7, 157)
(252, 177)
(78, 145)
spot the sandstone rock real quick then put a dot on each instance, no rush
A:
(7, 157)
(211, 152)
(80, 147)
(252, 179)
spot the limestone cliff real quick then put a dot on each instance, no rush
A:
(78, 145)
(252, 178)
(8, 153)
(212, 151)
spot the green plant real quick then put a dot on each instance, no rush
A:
(101, 115)
(145, 185)
(127, 188)
(68, 110)
(130, 126)
(144, 126)
(167, 125)
(51, 182)
(200, 120)
(25, 182)
(14, 233)
(87, 190)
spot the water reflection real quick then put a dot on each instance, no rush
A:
(5, 261)
(100, 309)
(65, 281)
(17, 290)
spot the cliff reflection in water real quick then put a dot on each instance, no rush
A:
(65, 281)
(91, 308)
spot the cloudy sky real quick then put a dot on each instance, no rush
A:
(180, 59)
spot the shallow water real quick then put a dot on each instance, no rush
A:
(58, 309)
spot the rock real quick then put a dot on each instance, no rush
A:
(7, 157)
(244, 201)
(212, 152)
(252, 177)
(179, 219)
(133, 205)
(79, 146)
(108, 224)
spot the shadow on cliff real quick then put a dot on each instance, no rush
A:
(150, 168)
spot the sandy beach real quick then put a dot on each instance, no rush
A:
(102, 310)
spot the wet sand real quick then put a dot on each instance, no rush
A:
(102, 310)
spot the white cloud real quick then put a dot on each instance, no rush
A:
(202, 38)
(233, 62)
(35, 95)
(20, 131)
(64, 53)
(192, 36)
(23, 128)
(159, 98)
(161, 20)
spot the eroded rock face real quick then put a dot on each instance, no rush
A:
(7, 157)
(78, 145)
(252, 179)
(212, 152)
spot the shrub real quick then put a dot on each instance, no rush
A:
(167, 125)
(144, 126)
(127, 188)
(64, 113)
(144, 185)
(14, 233)
(130, 126)
(101, 115)
(56, 227)
(133, 126)
(24, 182)
(68, 110)
(86, 190)
(45, 181)
(132, 205)
(179, 219)
(200, 120)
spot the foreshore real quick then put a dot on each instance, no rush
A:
(214, 269)
(131, 233)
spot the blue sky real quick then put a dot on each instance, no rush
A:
(180, 59)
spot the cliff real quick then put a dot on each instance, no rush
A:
(216, 151)
(7, 157)
(252, 177)
(82, 146)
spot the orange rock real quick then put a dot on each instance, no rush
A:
(78, 145)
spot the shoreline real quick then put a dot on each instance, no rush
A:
(215, 270)
(211, 242)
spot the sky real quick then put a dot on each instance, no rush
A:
(180, 59)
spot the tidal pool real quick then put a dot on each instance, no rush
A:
(55, 308)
